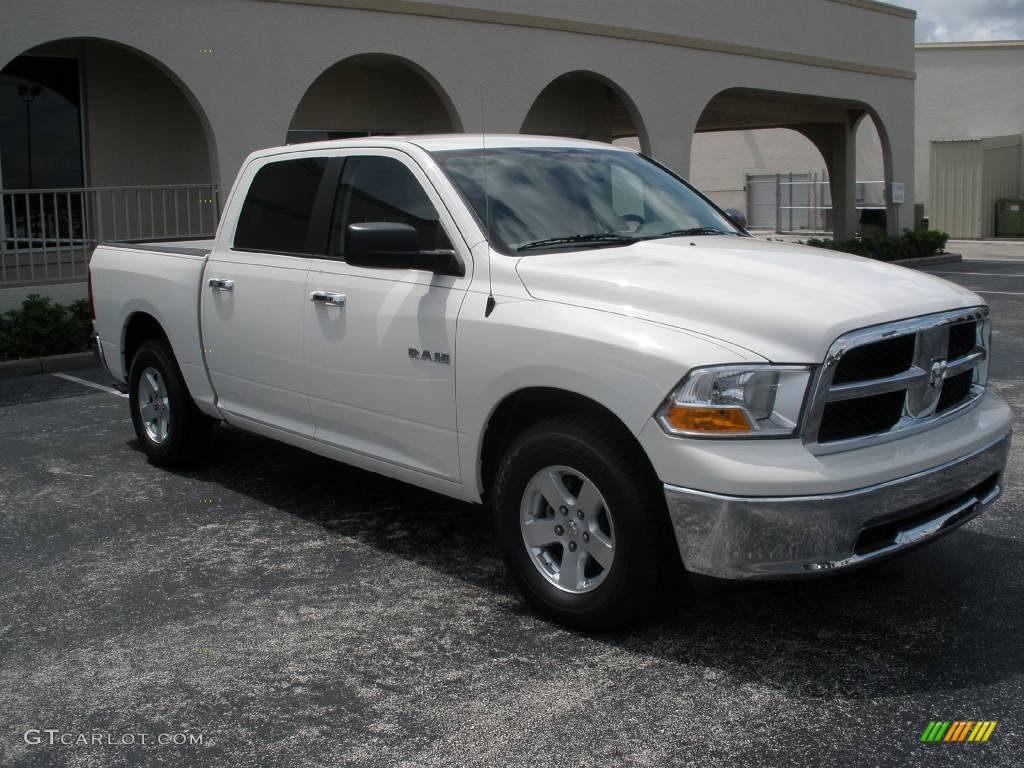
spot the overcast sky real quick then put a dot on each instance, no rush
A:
(945, 20)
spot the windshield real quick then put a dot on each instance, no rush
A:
(542, 199)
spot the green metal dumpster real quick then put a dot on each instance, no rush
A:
(1010, 218)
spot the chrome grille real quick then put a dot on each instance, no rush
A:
(888, 381)
(876, 360)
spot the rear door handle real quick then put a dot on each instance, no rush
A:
(220, 284)
(327, 297)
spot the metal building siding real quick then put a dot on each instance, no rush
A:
(956, 170)
(1001, 181)
(968, 177)
(761, 200)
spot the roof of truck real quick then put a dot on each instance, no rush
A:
(440, 142)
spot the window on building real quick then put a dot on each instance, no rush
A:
(40, 123)
(276, 215)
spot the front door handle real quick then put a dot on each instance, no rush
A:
(220, 284)
(327, 297)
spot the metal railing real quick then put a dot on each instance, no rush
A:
(805, 205)
(803, 201)
(47, 235)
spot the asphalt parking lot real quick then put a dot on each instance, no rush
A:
(293, 611)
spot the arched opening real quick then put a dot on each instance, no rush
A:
(98, 141)
(793, 163)
(585, 105)
(875, 170)
(775, 176)
(372, 95)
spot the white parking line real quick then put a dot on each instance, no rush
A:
(994, 293)
(94, 385)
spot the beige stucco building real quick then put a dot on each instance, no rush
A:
(162, 101)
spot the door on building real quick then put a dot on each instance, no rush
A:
(761, 190)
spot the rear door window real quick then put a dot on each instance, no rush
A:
(278, 208)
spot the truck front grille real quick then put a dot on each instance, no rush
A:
(954, 391)
(876, 360)
(883, 382)
(962, 339)
(864, 416)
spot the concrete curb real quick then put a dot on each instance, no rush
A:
(927, 261)
(11, 368)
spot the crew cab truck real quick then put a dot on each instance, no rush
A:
(570, 333)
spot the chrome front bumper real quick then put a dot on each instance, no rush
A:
(734, 537)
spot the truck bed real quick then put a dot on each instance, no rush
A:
(161, 280)
(186, 247)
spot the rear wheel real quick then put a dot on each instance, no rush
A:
(582, 523)
(172, 431)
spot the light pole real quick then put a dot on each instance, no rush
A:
(28, 94)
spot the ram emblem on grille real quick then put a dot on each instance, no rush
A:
(937, 373)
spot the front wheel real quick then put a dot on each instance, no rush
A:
(172, 431)
(582, 523)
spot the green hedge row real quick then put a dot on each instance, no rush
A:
(910, 245)
(41, 327)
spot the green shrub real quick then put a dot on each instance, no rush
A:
(910, 245)
(42, 327)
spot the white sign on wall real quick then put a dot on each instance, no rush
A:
(898, 193)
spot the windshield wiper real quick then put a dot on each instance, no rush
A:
(596, 238)
(692, 232)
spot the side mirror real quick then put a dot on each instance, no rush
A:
(392, 245)
(736, 217)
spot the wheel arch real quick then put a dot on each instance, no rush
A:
(521, 409)
(139, 327)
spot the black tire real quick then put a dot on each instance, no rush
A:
(634, 502)
(188, 434)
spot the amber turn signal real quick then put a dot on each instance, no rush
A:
(696, 418)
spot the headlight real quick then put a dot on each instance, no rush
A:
(737, 401)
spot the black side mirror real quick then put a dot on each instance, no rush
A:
(392, 245)
(736, 217)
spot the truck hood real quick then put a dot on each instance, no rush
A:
(784, 302)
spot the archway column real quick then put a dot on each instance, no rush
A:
(837, 143)
(841, 159)
(237, 138)
(672, 150)
(671, 125)
(898, 154)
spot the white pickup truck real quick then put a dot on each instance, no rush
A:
(570, 333)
